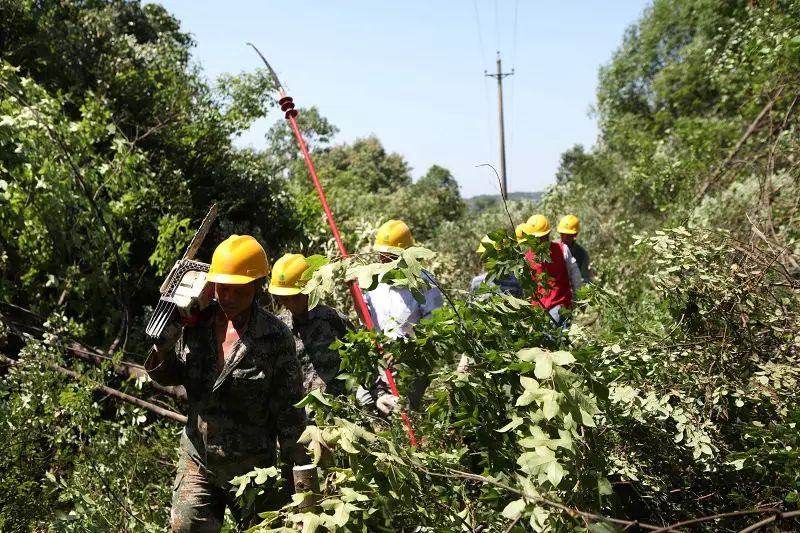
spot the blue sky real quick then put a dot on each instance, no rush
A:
(412, 73)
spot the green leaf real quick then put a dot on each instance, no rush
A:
(555, 473)
(529, 384)
(314, 263)
(513, 510)
(348, 495)
(315, 396)
(310, 434)
(263, 474)
(532, 462)
(587, 418)
(525, 398)
(604, 486)
(550, 406)
(562, 358)
(544, 366)
(515, 422)
(529, 354)
(539, 518)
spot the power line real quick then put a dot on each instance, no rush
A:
(512, 109)
(497, 24)
(514, 40)
(478, 26)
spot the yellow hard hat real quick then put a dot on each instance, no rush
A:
(569, 224)
(485, 240)
(393, 237)
(539, 224)
(522, 230)
(239, 259)
(286, 275)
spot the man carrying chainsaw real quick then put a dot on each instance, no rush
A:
(242, 377)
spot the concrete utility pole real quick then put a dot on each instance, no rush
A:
(499, 76)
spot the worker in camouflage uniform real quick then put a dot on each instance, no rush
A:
(314, 330)
(242, 377)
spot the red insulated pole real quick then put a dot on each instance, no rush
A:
(287, 106)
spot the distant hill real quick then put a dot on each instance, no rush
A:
(485, 201)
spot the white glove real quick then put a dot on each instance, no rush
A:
(464, 363)
(388, 403)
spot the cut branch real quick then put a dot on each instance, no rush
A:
(133, 400)
(124, 369)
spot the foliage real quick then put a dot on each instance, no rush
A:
(671, 397)
(700, 371)
(109, 142)
(72, 461)
(522, 414)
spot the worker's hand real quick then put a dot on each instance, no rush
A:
(169, 336)
(464, 363)
(389, 358)
(388, 403)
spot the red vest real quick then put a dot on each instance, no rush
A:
(559, 291)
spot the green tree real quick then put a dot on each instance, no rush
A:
(439, 183)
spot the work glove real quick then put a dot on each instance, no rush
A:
(388, 403)
(464, 363)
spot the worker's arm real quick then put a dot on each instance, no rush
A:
(586, 271)
(163, 363)
(575, 280)
(404, 311)
(286, 390)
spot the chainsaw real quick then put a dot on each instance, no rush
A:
(185, 291)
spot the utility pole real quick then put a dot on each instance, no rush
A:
(499, 76)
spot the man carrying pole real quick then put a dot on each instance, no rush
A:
(287, 106)
(394, 311)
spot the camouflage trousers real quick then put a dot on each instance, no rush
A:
(198, 504)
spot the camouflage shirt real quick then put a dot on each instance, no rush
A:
(236, 415)
(312, 338)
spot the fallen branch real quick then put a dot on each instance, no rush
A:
(572, 512)
(124, 369)
(773, 518)
(133, 400)
(576, 513)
